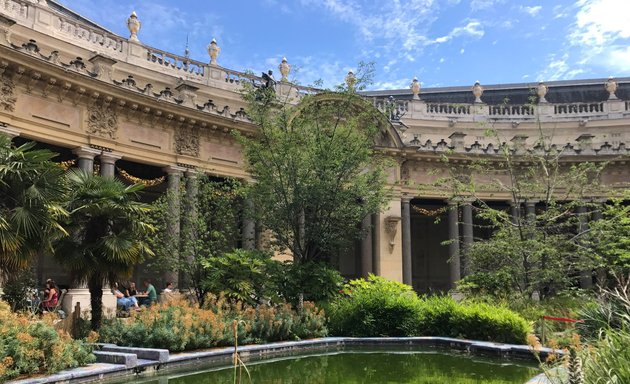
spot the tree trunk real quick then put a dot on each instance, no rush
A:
(95, 285)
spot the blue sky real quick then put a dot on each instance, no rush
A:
(442, 42)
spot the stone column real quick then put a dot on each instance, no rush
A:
(189, 225)
(249, 226)
(467, 235)
(596, 215)
(406, 241)
(108, 164)
(376, 243)
(515, 211)
(174, 175)
(86, 158)
(530, 210)
(453, 247)
(366, 247)
(586, 276)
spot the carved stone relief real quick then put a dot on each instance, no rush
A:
(102, 121)
(7, 93)
(187, 141)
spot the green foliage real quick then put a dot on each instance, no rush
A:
(17, 288)
(31, 196)
(30, 347)
(378, 307)
(106, 229)
(311, 281)
(254, 277)
(316, 170)
(610, 237)
(180, 326)
(241, 275)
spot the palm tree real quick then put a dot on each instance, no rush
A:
(31, 196)
(107, 229)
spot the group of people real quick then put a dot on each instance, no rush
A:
(129, 297)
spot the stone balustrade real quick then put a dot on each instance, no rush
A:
(40, 16)
(463, 112)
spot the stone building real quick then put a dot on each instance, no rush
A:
(104, 100)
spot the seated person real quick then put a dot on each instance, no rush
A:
(151, 294)
(169, 287)
(132, 291)
(122, 301)
(51, 296)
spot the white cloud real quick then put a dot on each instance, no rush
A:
(532, 11)
(477, 5)
(461, 51)
(602, 33)
(558, 68)
(472, 29)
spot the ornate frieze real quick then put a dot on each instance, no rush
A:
(7, 93)
(187, 140)
(102, 120)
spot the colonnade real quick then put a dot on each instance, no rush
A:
(460, 225)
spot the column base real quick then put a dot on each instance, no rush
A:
(82, 296)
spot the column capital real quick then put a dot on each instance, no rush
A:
(192, 173)
(174, 170)
(109, 157)
(406, 198)
(532, 201)
(86, 152)
(9, 131)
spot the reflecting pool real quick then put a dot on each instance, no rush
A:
(363, 366)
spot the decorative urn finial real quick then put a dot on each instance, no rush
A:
(477, 91)
(541, 91)
(415, 88)
(351, 80)
(611, 87)
(284, 68)
(133, 24)
(213, 51)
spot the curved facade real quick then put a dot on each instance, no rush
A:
(99, 98)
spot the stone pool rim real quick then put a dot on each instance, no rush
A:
(115, 362)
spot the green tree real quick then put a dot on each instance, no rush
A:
(316, 170)
(106, 229)
(544, 252)
(609, 239)
(31, 197)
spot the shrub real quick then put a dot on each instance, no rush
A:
(442, 316)
(180, 326)
(316, 281)
(29, 347)
(378, 307)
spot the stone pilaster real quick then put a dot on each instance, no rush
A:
(453, 247)
(467, 235)
(174, 175)
(406, 240)
(376, 243)
(86, 158)
(108, 164)
(366, 247)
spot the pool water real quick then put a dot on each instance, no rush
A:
(360, 366)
